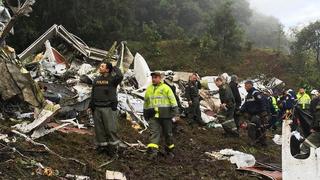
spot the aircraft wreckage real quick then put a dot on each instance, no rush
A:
(47, 88)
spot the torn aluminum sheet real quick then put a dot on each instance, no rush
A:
(209, 101)
(40, 132)
(4, 17)
(136, 103)
(208, 83)
(115, 175)
(59, 93)
(45, 115)
(4, 137)
(53, 61)
(85, 69)
(142, 71)
(235, 157)
(134, 107)
(71, 39)
(274, 82)
(126, 58)
(78, 106)
(24, 115)
(77, 177)
(297, 169)
(83, 90)
(18, 82)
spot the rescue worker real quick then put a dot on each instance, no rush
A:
(286, 103)
(236, 94)
(273, 109)
(104, 104)
(193, 97)
(227, 107)
(303, 99)
(168, 80)
(160, 106)
(256, 108)
(313, 140)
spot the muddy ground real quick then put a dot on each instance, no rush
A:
(190, 161)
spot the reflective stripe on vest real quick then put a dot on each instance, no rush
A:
(160, 96)
(274, 104)
(303, 99)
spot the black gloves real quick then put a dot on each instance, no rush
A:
(149, 113)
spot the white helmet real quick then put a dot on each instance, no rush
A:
(315, 92)
(169, 73)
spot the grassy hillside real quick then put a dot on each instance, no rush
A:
(182, 56)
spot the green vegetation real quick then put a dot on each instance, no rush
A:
(207, 36)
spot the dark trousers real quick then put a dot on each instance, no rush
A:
(257, 129)
(106, 126)
(164, 126)
(274, 118)
(236, 118)
(194, 114)
(228, 122)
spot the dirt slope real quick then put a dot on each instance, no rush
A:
(190, 161)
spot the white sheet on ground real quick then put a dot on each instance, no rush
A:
(235, 157)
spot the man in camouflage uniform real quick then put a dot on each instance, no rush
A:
(227, 107)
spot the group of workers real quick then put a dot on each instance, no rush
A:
(162, 106)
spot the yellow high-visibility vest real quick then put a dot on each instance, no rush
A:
(161, 99)
(303, 100)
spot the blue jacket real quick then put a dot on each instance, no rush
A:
(255, 103)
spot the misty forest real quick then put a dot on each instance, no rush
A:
(214, 30)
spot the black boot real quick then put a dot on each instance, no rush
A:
(152, 153)
(170, 153)
(100, 149)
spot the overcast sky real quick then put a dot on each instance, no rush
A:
(289, 12)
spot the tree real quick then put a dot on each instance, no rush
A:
(225, 31)
(308, 39)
